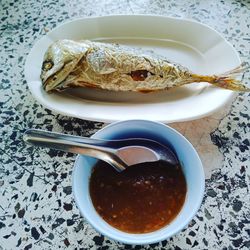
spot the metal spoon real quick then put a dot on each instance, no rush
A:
(118, 153)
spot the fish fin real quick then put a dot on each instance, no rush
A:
(227, 80)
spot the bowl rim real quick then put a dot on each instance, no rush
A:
(156, 239)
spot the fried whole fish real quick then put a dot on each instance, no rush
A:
(70, 63)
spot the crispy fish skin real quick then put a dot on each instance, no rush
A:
(70, 63)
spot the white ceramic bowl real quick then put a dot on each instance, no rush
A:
(191, 165)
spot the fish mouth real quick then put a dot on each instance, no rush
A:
(51, 83)
(50, 78)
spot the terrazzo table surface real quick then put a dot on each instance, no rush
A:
(37, 209)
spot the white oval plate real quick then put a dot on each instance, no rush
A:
(192, 44)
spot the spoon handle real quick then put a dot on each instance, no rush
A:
(74, 144)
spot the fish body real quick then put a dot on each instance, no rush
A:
(113, 67)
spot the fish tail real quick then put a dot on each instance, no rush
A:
(227, 80)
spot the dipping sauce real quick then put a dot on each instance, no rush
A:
(140, 199)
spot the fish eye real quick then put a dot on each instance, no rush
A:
(47, 65)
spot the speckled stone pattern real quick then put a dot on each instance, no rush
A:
(37, 209)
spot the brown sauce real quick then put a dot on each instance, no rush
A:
(140, 199)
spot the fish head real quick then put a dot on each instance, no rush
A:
(59, 61)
